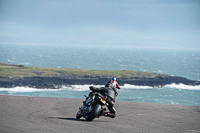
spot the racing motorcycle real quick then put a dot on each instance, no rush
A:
(92, 107)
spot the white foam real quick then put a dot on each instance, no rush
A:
(71, 87)
(25, 89)
(129, 86)
(10, 60)
(80, 87)
(86, 87)
(183, 86)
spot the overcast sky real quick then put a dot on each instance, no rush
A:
(138, 23)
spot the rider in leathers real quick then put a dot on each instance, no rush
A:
(111, 93)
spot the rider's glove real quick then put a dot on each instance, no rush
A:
(91, 88)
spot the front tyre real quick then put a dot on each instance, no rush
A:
(94, 113)
(78, 115)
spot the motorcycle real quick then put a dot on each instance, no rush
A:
(92, 107)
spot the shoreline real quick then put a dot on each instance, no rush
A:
(58, 82)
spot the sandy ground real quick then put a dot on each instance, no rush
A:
(22, 114)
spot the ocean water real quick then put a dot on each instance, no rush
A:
(177, 62)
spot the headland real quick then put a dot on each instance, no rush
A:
(12, 75)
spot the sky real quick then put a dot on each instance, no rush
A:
(132, 23)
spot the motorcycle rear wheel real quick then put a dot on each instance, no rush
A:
(94, 113)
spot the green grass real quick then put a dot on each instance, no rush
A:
(27, 71)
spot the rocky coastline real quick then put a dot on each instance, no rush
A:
(58, 82)
(43, 80)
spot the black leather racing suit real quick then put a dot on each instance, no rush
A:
(111, 94)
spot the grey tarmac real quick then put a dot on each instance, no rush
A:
(27, 114)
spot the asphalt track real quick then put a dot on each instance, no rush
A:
(22, 114)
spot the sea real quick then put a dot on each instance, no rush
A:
(170, 61)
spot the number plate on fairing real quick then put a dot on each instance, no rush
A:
(103, 101)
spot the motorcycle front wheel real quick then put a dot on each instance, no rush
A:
(78, 115)
(95, 112)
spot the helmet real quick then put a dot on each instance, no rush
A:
(114, 78)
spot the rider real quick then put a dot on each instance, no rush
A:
(111, 93)
(113, 83)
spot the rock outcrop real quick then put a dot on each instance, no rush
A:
(57, 82)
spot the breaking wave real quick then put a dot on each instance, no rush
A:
(26, 89)
(86, 88)
(80, 87)
(129, 86)
(183, 86)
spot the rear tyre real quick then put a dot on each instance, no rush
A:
(94, 113)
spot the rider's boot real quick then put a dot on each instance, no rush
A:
(102, 113)
(108, 114)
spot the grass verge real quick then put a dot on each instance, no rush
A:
(8, 70)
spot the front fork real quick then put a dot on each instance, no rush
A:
(87, 104)
(89, 99)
